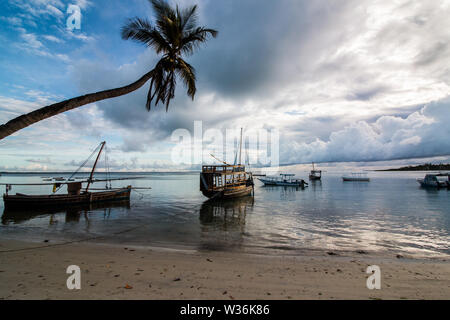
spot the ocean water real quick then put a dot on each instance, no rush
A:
(389, 214)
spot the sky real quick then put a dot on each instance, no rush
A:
(340, 81)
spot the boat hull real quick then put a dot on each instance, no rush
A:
(268, 182)
(35, 201)
(229, 193)
(433, 184)
(356, 179)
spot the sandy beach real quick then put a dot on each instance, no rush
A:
(38, 271)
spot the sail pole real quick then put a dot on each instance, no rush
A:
(95, 164)
(240, 149)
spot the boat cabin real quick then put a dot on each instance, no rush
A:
(225, 179)
(440, 180)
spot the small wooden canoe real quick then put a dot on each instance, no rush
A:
(32, 201)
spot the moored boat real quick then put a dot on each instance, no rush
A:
(437, 180)
(356, 176)
(285, 179)
(315, 175)
(20, 200)
(76, 193)
(225, 181)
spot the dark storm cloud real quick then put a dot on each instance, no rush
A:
(312, 69)
(261, 43)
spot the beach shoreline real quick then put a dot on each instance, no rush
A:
(32, 270)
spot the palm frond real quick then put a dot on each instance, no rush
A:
(187, 73)
(193, 39)
(142, 31)
(174, 33)
(188, 19)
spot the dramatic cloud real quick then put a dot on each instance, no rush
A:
(424, 133)
(354, 80)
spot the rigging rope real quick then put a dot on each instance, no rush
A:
(81, 166)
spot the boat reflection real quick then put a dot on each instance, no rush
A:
(225, 214)
(286, 193)
(72, 213)
(222, 223)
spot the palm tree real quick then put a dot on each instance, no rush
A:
(174, 34)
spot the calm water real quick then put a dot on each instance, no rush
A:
(390, 213)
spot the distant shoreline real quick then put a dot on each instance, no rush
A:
(99, 172)
(422, 167)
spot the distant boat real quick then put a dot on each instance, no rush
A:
(356, 176)
(315, 175)
(438, 180)
(285, 179)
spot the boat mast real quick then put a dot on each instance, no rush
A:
(95, 164)
(240, 149)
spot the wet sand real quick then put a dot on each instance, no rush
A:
(38, 271)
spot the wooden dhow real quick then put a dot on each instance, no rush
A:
(226, 180)
(76, 194)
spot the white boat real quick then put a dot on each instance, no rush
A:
(436, 180)
(356, 176)
(285, 179)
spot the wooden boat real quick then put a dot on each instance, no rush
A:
(20, 200)
(437, 180)
(315, 175)
(356, 176)
(285, 179)
(227, 180)
(75, 195)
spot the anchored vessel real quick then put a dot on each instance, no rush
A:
(226, 180)
(315, 175)
(76, 194)
(356, 176)
(284, 179)
(437, 180)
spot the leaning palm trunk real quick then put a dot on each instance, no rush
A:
(175, 33)
(46, 112)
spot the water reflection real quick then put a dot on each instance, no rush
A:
(226, 214)
(315, 185)
(223, 223)
(72, 213)
(286, 192)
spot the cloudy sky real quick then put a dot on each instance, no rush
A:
(340, 80)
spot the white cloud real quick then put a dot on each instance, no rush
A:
(31, 41)
(342, 81)
(53, 38)
(422, 134)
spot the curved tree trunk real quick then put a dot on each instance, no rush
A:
(46, 112)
